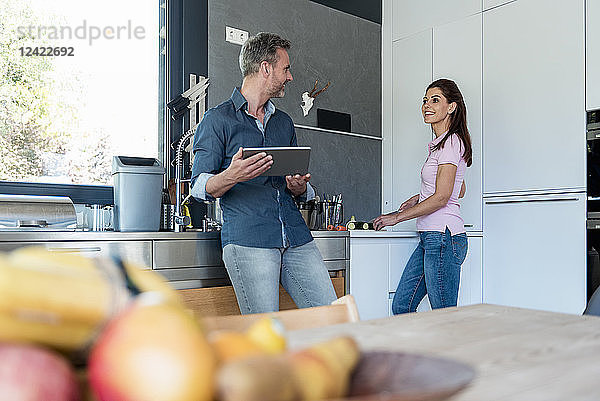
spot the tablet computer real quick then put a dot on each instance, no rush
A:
(286, 160)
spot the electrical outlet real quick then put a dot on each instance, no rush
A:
(235, 35)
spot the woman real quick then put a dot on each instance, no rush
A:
(434, 267)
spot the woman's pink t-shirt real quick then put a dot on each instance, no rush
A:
(449, 215)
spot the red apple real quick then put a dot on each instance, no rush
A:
(152, 351)
(31, 373)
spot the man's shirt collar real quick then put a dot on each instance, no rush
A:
(239, 102)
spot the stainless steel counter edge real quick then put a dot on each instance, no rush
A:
(20, 236)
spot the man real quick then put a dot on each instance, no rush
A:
(264, 237)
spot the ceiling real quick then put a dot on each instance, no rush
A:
(370, 10)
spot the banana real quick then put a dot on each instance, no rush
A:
(62, 300)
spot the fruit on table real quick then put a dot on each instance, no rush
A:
(31, 373)
(321, 371)
(61, 299)
(269, 334)
(265, 336)
(232, 345)
(263, 378)
(154, 350)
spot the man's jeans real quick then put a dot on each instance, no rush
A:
(433, 269)
(256, 273)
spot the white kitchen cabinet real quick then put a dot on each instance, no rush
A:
(487, 4)
(592, 31)
(377, 260)
(369, 261)
(457, 56)
(533, 97)
(400, 251)
(534, 252)
(412, 72)
(410, 17)
(470, 288)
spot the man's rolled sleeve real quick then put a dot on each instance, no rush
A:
(198, 190)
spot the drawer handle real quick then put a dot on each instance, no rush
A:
(499, 202)
(76, 250)
(468, 225)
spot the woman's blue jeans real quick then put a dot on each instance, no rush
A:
(433, 269)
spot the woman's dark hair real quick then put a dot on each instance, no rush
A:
(458, 118)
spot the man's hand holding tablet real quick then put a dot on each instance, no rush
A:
(244, 169)
(287, 161)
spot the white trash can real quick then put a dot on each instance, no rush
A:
(138, 184)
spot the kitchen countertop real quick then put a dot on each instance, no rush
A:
(40, 235)
(396, 234)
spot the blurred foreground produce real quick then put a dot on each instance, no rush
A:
(62, 300)
(269, 334)
(265, 336)
(232, 345)
(319, 372)
(30, 373)
(154, 351)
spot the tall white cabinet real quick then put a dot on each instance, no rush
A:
(412, 63)
(409, 17)
(523, 67)
(452, 50)
(534, 155)
(457, 55)
(533, 104)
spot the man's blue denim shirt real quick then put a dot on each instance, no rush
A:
(254, 211)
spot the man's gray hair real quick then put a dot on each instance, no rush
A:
(258, 48)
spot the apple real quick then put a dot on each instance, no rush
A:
(154, 350)
(31, 373)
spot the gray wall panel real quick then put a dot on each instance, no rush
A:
(346, 165)
(328, 45)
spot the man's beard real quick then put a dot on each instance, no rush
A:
(277, 92)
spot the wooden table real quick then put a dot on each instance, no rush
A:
(519, 354)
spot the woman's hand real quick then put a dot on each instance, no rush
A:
(409, 203)
(386, 220)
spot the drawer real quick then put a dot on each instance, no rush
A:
(195, 277)
(171, 254)
(139, 252)
(332, 248)
(335, 265)
(194, 273)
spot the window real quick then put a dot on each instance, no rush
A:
(81, 82)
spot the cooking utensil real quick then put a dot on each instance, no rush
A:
(332, 214)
